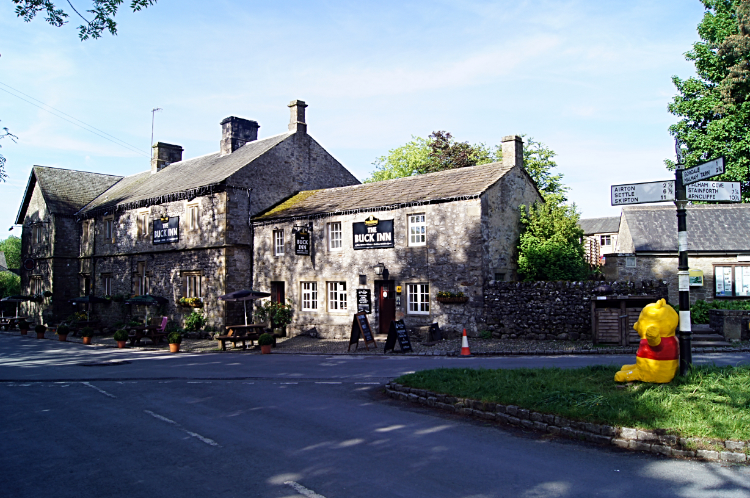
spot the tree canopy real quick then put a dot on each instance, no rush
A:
(12, 249)
(714, 107)
(101, 14)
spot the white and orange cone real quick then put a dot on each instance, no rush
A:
(465, 345)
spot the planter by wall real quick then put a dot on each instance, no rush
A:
(453, 300)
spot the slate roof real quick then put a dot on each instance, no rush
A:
(189, 174)
(65, 191)
(711, 228)
(591, 226)
(443, 185)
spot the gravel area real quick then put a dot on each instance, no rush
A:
(451, 347)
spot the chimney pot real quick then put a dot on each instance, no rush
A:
(297, 120)
(236, 132)
(164, 154)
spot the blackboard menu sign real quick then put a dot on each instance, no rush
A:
(302, 243)
(167, 230)
(397, 333)
(364, 300)
(373, 234)
(361, 327)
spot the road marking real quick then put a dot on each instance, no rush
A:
(100, 390)
(288, 383)
(367, 383)
(328, 382)
(299, 488)
(193, 434)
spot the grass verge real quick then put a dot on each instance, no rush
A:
(710, 402)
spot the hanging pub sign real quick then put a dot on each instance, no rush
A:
(364, 300)
(373, 234)
(302, 242)
(167, 230)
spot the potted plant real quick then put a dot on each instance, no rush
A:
(40, 330)
(86, 333)
(121, 337)
(174, 339)
(23, 325)
(62, 332)
(265, 341)
(278, 314)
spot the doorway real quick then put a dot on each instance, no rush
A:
(386, 304)
(277, 292)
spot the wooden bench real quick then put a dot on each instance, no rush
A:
(156, 332)
(241, 333)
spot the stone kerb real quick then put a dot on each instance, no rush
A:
(654, 441)
(550, 310)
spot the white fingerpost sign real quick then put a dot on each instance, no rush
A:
(703, 171)
(642, 193)
(714, 191)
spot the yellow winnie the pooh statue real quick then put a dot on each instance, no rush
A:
(658, 355)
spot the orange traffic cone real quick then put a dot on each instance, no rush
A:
(465, 345)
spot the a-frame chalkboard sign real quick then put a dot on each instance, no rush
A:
(397, 333)
(360, 326)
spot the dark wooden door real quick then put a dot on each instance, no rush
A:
(277, 292)
(386, 299)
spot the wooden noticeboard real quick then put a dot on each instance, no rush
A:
(360, 326)
(397, 333)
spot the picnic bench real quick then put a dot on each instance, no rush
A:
(154, 332)
(241, 333)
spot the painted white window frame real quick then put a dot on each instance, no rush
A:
(107, 284)
(335, 236)
(278, 242)
(193, 284)
(417, 230)
(337, 301)
(418, 299)
(141, 221)
(193, 217)
(309, 292)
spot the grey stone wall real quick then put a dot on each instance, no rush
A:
(549, 310)
(732, 324)
(665, 268)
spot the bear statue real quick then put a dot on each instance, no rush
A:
(658, 356)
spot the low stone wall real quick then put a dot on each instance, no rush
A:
(732, 324)
(550, 310)
(629, 438)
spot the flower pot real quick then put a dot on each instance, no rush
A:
(87, 341)
(62, 338)
(174, 348)
(40, 335)
(265, 349)
(24, 332)
(121, 344)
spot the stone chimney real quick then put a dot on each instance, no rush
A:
(512, 151)
(163, 154)
(297, 120)
(236, 132)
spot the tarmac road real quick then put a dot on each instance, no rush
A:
(81, 421)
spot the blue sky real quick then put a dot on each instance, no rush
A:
(591, 79)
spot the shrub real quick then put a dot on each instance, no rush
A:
(63, 330)
(85, 332)
(195, 321)
(174, 338)
(266, 339)
(120, 335)
(450, 294)
(40, 329)
(278, 314)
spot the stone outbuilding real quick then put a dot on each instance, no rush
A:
(391, 247)
(180, 229)
(718, 249)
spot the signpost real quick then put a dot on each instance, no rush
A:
(642, 193)
(677, 190)
(702, 171)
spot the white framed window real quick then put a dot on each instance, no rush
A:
(193, 221)
(142, 224)
(85, 227)
(36, 235)
(109, 229)
(278, 242)
(193, 284)
(142, 279)
(337, 296)
(36, 286)
(334, 236)
(605, 240)
(418, 296)
(742, 281)
(417, 230)
(309, 296)
(630, 262)
(107, 284)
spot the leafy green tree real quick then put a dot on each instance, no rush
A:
(12, 249)
(10, 285)
(550, 246)
(102, 14)
(714, 107)
(407, 160)
(538, 161)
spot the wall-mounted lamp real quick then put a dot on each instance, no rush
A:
(379, 269)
